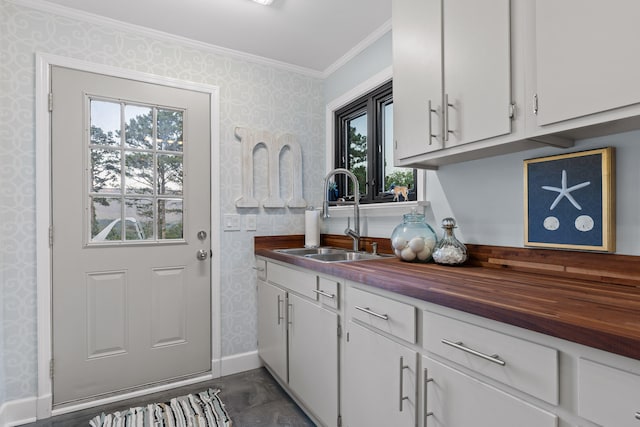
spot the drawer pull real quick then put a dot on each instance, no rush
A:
(402, 368)
(638, 415)
(373, 313)
(460, 346)
(324, 294)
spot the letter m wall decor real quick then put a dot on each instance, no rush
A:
(251, 140)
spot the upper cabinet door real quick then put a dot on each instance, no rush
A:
(417, 76)
(477, 69)
(452, 73)
(586, 59)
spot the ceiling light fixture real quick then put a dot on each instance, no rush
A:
(264, 2)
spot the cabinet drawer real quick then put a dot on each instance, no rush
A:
(608, 396)
(393, 317)
(523, 365)
(297, 281)
(328, 292)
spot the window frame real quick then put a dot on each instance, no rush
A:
(372, 103)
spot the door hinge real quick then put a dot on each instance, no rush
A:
(51, 236)
(347, 336)
(535, 104)
(512, 111)
(339, 330)
(339, 420)
(50, 102)
(51, 368)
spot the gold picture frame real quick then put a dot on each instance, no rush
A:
(569, 201)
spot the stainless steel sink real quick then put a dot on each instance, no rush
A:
(311, 251)
(345, 256)
(330, 254)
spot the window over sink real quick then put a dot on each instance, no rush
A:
(363, 144)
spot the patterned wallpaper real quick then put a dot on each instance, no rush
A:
(252, 94)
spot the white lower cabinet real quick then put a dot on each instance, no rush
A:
(379, 387)
(298, 336)
(313, 357)
(272, 328)
(454, 399)
(403, 362)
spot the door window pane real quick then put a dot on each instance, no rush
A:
(138, 126)
(170, 219)
(105, 122)
(105, 171)
(169, 175)
(169, 130)
(139, 219)
(139, 172)
(106, 219)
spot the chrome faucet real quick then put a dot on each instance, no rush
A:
(355, 232)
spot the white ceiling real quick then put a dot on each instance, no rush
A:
(312, 34)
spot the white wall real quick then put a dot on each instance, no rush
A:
(367, 63)
(486, 196)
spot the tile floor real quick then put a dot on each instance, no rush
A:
(252, 398)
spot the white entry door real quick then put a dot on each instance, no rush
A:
(131, 221)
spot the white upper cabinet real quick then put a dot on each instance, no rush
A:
(452, 74)
(417, 77)
(477, 70)
(586, 57)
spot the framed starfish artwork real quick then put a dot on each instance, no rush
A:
(569, 201)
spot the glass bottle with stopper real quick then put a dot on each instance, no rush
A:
(449, 250)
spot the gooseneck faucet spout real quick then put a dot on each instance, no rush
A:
(355, 232)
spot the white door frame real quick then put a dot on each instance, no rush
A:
(44, 62)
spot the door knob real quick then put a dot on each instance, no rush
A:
(202, 254)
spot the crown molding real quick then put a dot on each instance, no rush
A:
(45, 6)
(354, 51)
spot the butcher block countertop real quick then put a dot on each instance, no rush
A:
(588, 298)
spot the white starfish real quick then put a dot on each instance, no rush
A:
(565, 192)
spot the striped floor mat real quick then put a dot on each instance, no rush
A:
(203, 409)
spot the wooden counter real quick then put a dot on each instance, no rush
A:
(587, 298)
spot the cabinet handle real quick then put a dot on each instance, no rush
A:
(279, 312)
(638, 415)
(373, 313)
(460, 346)
(431, 110)
(535, 103)
(402, 368)
(289, 316)
(324, 294)
(258, 268)
(446, 132)
(427, 380)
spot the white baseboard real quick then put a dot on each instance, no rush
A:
(239, 363)
(23, 411)
(18, 412)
